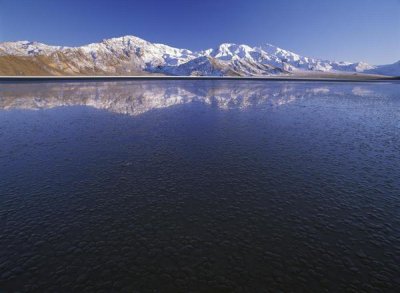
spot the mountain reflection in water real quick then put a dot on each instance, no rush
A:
(137, 97)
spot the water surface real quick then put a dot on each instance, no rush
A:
(210, 186)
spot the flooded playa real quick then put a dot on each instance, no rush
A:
(210, 186)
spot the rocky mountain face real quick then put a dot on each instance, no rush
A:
(131, 55)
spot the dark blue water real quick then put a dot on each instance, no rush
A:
(199, 186)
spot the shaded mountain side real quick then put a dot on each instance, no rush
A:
(210, 66)
(201, 66)
(389, 69)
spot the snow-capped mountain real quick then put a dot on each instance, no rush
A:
(285, 60)
(131, 55)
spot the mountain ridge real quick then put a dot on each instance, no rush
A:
(130, 55)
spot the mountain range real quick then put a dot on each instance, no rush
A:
(130, 55)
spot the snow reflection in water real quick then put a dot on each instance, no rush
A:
(137, 97)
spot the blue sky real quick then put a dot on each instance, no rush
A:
(350, 30)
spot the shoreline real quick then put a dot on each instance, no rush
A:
(156, 77)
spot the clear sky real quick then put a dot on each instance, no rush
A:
(349, 30)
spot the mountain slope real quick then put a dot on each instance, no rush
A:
(131, 55)
(389, 69)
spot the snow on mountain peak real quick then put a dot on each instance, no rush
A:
(130, 54)
(27, 48)
(227, 51)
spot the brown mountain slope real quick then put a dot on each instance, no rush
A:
(60, 64)
(15, 65)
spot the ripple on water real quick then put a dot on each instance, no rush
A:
(199, 186)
